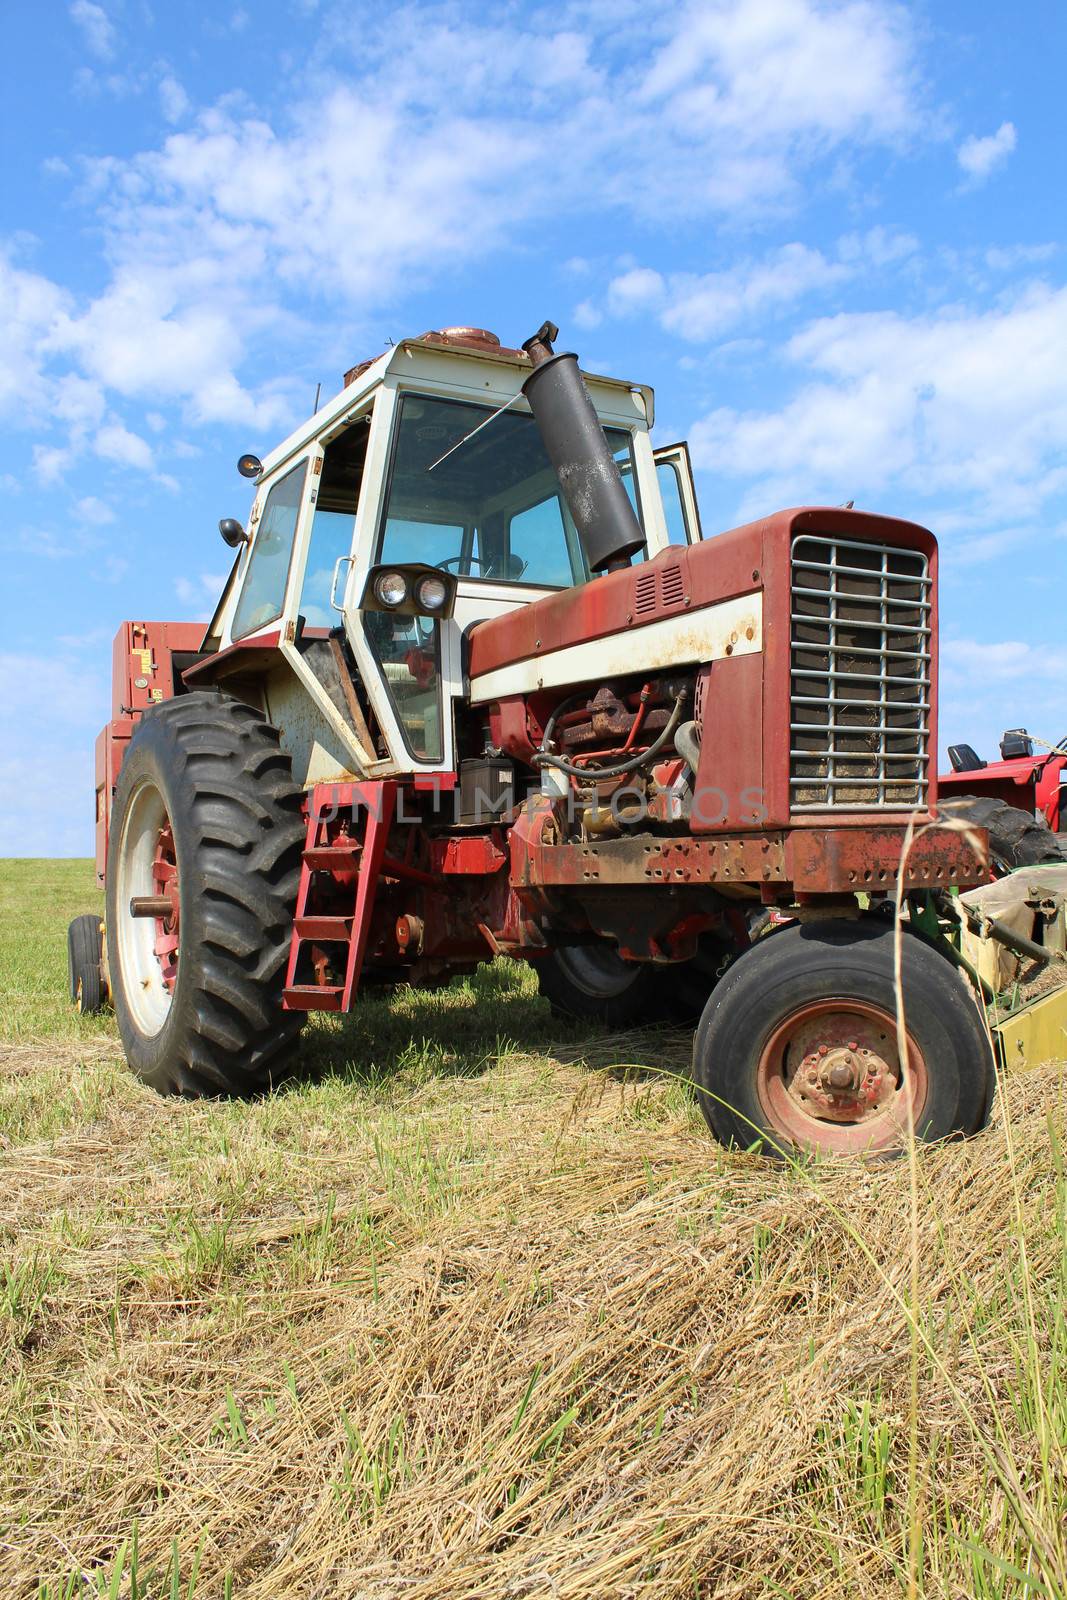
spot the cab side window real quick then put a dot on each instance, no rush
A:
(670, 489)
(334, 525)
(263, 593)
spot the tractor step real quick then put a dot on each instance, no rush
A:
(329, 856)
(313, 997)
(355, 861)
(338, 929)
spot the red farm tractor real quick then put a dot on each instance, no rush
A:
(1021, 800)
(476, 686)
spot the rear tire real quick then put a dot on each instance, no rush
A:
(85, 951)
(206, 811)
(1016, 837)
(593, 983)
(817, 999)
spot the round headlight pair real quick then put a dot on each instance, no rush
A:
(430, 594)
(391, 588)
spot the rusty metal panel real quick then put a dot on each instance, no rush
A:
(685, 637)
(142, 669)
(729, 789)
(619, 601)
(829, 861)
(647, 859)
(235, 658)
(856, 860)
(476, 854)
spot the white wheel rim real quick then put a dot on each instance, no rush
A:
(147, 996)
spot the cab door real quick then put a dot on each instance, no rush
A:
(674, 473)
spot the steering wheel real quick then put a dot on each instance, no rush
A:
(455, 561)
(517, 566)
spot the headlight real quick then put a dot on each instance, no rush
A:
(391, 589)
(431, 594)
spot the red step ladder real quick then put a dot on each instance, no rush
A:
(362, 851)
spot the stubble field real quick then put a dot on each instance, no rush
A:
(468, 1311)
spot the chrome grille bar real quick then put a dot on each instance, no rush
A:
(861, 612)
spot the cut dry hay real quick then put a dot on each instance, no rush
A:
(503, 1338)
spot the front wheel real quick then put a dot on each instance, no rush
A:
(798, 1049)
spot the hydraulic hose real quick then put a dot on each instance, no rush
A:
(542, 758)
(687, 744)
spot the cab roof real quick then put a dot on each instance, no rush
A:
(445, 359)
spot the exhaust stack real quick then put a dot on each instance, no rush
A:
(578, 450)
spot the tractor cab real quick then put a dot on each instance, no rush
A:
(418, 502)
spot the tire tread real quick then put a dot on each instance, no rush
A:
(242, 840)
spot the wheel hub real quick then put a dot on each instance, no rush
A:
(843, 1074)
(831, 1077)
(165, 884)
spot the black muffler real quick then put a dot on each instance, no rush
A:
(579, 451)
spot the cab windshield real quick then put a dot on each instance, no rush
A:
(492, 509)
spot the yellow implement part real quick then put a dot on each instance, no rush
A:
(1035, 1033)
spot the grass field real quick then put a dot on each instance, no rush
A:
(459, 1316)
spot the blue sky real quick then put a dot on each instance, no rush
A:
(831, 235)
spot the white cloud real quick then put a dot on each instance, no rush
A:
(200, 595)
(980, 157)
(428, 155)
(114, 442)
(702, 307)
(91, 509)
(151, 334)
(418, 143)
(30, 823)
(970, 405)
(97, 28)
(587, 314)
(173, 100)
(29, 307)
(1021, 686)
(50, 462)
(965, 662)
(1008, 257)
(878, 247)
(638, 289)
(699, 306)
(74, 697)
(761, 85)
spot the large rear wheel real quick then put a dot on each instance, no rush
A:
(798, 1047)
(205, 845)
(593, 983)
(1016, 838)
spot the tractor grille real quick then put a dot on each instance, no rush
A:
(860, 665)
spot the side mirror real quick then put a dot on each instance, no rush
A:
(232, 532)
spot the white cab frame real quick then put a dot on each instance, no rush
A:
(491, 378)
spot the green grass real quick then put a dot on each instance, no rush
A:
(452, 1315)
